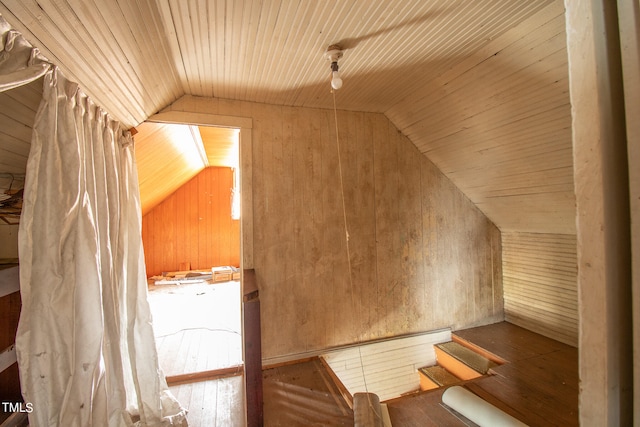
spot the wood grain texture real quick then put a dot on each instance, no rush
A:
(197, 326)
(253, 363)
(422, 256)
(9, 237)
(17, 112)
(167, 156)
(9, 314)
(538, 385)
(423, 409)
(387, 368)
(9, 379)
(480, 87)
(193, 225)
(456, 367)
(541, 283)
(603, 213)
(498, 124)
(213, 403)
(629, 17)
(103, 51)
(9, 388)
(221, 145)
(9, 278)
(303, 394)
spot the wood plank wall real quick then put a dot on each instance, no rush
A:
(193, 225)
(422, 256)
(9, 239)
(540, 283)
(10, 304)
(18, 112)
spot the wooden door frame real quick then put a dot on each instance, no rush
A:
(245, 124)
(603, 52)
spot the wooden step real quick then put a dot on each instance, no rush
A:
(481, 351)
(461, 361)
(436, 376)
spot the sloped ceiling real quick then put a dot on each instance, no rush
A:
(169, 155)
(479, 86)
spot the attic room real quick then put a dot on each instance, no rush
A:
(471, 177)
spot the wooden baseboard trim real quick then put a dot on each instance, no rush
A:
(288, 359)
(214, 374)
(288, 362)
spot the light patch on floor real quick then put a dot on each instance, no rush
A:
(213, 403)
(197, 326)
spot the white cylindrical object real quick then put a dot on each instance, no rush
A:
(477, 409)
(336, 81)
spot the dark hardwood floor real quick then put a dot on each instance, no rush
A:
(303, 394)
(538, 385)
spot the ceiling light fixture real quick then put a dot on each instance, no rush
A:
(334, 52)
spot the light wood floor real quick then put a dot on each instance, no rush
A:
(214, 403)
(197, 326)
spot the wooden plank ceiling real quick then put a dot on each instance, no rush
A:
(169, 155)
(480, 87)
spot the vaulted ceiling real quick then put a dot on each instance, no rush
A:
(168, 155)
(480, 87)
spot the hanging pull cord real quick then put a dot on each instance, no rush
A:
(346, 231)
(344, 209)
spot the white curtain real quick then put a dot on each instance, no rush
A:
(19, 62)
(85, 344)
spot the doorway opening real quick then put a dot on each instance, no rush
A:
(197, 329)
(189, 191)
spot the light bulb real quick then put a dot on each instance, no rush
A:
(336, 81)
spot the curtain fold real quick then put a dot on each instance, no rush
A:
(20, 63)
(85, 344)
